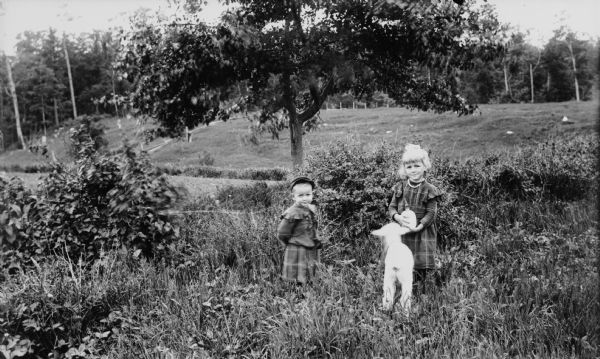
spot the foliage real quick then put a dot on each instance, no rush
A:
(354, 186)
(103, 202)
(507, 291)
(196, 80)
(87, 138)
(286, 67)
(16, 203)
(40, 74)
(257, 174)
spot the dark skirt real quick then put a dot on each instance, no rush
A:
(299, 263)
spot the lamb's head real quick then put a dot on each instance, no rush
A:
(389, 232)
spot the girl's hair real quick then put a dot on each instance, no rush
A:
(413, 153)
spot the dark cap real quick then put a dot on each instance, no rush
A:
(302, 179)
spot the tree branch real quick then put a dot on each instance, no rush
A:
(318, 99)
(295, 9)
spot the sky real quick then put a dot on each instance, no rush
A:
(539, 17)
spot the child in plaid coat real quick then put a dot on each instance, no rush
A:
(298, 231)
(420, 196)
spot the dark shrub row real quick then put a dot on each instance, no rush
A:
(538, 186)
(257, 174)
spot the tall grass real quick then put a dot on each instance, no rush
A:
(519, 280)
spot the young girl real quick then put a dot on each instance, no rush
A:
(420, 196)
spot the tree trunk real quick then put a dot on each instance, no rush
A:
(1, 103)
(55, 112)
(548, 83)
(531, 81)
(70, 79)
(295, 124)
(574, 70)
(13, 93)
(297, 150)
(428, 76)
(44, 116)
(506, 85)
(114, 93)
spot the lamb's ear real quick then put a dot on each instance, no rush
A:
(377, 233)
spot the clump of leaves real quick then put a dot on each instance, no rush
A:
(16, 204)
(86, 138)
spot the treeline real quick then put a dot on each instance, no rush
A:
(40, 72)
(562, 70)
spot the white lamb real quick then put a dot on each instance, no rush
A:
(399, 261)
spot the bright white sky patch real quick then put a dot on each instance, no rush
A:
(541, 17)
(76, 16)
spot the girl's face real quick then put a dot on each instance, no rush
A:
(415, 170)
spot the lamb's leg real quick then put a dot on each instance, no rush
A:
(389, 288)
(406, 281)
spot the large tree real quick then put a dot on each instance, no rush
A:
(287, 56)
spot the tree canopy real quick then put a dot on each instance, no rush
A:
(283, 58)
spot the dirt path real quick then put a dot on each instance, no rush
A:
(196, 185)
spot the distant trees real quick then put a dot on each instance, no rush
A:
(40, 72)
(281, 61)
(561, 70)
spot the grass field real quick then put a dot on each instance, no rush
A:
(445, 134)
(516, 275)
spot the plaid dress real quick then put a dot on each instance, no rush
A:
(421, 199)
(298, 231)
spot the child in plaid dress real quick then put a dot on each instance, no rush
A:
(298, 231)
(420, 196)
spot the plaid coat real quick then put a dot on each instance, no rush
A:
(298, 231)
(423, 201)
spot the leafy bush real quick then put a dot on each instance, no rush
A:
(102, 202)
(354, 186)
(106, 202)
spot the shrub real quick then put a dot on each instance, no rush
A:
(354, 186)
(102, 202)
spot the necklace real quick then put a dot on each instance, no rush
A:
(415, 186)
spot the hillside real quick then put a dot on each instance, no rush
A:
(446, 134)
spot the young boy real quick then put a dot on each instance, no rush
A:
(298, 231)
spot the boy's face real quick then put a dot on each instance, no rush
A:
(302, 193)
